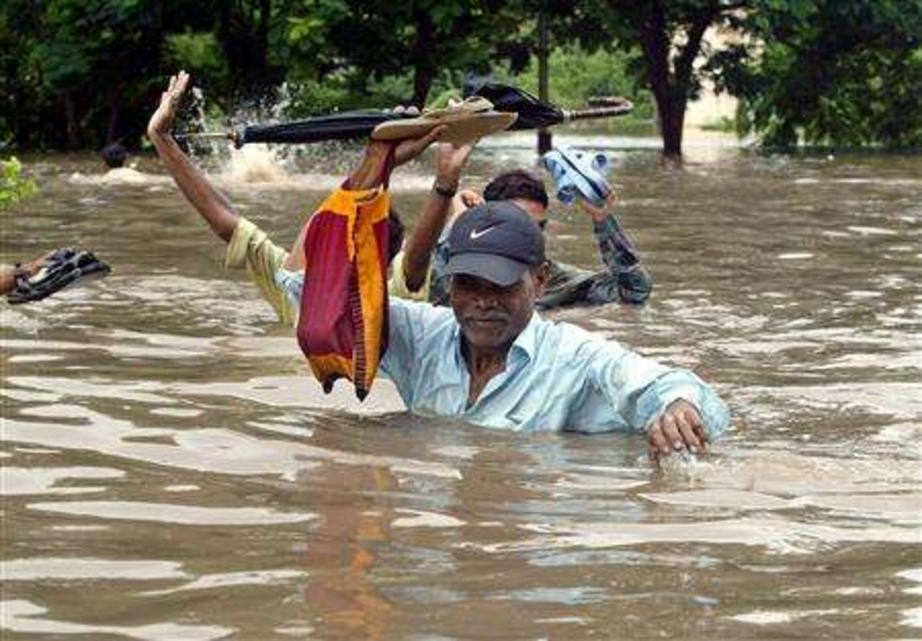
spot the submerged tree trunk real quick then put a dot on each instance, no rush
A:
(244, 38)
(670, 76)
(72, 123)
(113, 100)
(672, 125)
(262, 40)
(424, 71)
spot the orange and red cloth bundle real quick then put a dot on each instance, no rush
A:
(342, 328)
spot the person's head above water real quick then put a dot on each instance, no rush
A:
(498, 268)
(523, 188)
(114, 155)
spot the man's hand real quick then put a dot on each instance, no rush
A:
(372, 171)
(161, 123)
(410, 148)
(599, 214)
(470, 198)
(679, 428)
(450, 162)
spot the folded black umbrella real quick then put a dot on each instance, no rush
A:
(532, 114)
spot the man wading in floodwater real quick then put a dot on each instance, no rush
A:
(490, 359)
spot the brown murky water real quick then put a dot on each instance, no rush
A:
(169, 471)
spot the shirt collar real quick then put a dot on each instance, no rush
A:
(527, 340)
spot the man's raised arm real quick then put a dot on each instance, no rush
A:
(211, 204)
(380, 159)
(450, 162)
(631, 282)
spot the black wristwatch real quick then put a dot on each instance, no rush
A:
(445, 191)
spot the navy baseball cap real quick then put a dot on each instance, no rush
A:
(497, 241)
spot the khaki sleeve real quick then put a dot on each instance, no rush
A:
(252, 248)
(397, 282)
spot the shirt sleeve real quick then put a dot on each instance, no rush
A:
(640, 389)
(397, 281)
(439, 280)
(250, 247)
(619, 255)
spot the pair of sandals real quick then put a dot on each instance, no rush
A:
(464, 122)
(578, 174)
(64, 267)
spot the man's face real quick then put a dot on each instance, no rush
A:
(533, 208)
(491, 316)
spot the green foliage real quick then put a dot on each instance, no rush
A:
(315, 98)
(197, 53)
(663, 42)
(79, 73)
(76, 65)
(381, 39)
(576, 75)
(831, 73)
(14, 185)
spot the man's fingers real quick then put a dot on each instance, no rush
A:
(671, 431)
(432, 136)
(690, 415)
(589, 208)
(658, 440)
(410, 148)
(415, 146)
(470, 198)
(688, 434)
(409, 110)
(680, 427)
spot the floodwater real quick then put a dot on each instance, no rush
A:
(170, 471)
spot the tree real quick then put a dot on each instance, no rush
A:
(81, 73)
(76, 63)
(381, 38)
(245, 29)
(830, 72)
(666, 40)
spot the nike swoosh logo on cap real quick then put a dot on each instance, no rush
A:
(475, 233)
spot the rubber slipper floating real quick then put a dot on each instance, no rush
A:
(63, 268)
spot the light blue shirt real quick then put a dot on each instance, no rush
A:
(557, 377)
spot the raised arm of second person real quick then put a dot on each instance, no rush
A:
(450, 163)
(211, 204)
(632, 283)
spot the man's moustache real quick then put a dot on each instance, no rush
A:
(488, 318)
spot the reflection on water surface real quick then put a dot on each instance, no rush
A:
(169, 471)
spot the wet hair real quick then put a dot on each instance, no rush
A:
(516, 184)
(395, 235)
(114, 155)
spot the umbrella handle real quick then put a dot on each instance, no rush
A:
(598, 112)
(232, 135)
